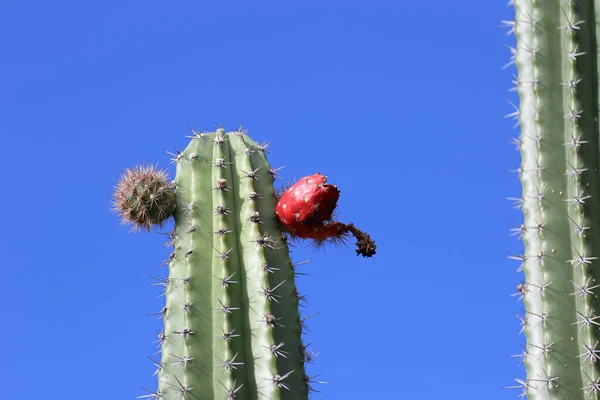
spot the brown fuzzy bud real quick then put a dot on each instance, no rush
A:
(144, 197)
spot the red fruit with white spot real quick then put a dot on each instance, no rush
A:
(306, 211)
(309, 202)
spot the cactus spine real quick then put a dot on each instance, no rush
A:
(557, 83)
(232, 328)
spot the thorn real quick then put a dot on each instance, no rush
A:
(572, 84)
(311, 380)
(188, 253)
(252, 175)
(585, 290)
(227, 335)
(152, 395)
(168, 260)
(301, 298)
(591, 353)
(541, 288)
(574, 171)
(531, 21)
(515, 114)
(183, 390)
(523, 385)
(197, 135)
(510, 25)
(218, 138)
(221, 209)
(275, 350)
(271, 320)
(221, 185)
(547, 382)
(263, 147)
(223, 255)
(162, 338)
(513, 57)
(521, 290)
(278, 380)
(594, 386)
(266, 241)
(517, 202)
(158, 365)
(274, 173)
(518, 231)
(580, 259)
(189, 208)
(574, 54)
(579, 198)
(544, 349)
(254, 196)
(522, 323)
(307, 355)
(229, 365)
(517, 83)
(230, 393)
(220, 162)
(517, 142)
(575, 141)
(269, 293)
(573, 114)
(587, 320)
(221, 232)
(570, 26)
(176, 157)
(184, 332)
(532, 51)
(161, 313)
(521, 356)
(255, 217)
(226, 280)
(542, 318)
(226, 309)
(302, 321)
(265, 267)
(519, 257)
(183, 361)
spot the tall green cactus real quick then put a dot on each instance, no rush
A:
(557, 61)
(232, 327)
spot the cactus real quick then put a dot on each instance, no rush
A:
(557, 84)
(232, 326)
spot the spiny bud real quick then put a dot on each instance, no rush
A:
(144, 197)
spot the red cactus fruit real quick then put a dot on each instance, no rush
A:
(305, 211)
(310, 201)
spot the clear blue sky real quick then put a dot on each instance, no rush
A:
(400, 103)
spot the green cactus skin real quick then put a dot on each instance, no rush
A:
(232, 328)
(557, 84)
